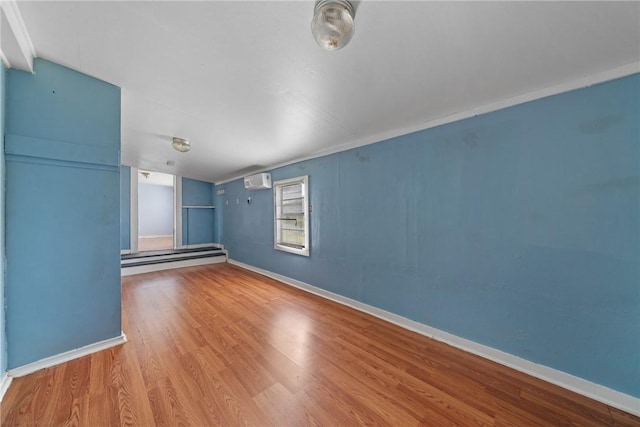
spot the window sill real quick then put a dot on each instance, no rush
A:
(303, 251)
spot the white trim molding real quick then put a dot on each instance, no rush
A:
(133, 209)
(581, 386)
(67, 356)
(4, 59)
(177, 212)
(9, 8)
(5, 382)
(579, 83)
(125, 251)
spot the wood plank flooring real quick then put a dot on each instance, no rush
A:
(218, 345)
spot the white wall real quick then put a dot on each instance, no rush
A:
(155, 210)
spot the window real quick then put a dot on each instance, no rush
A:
(291, 205)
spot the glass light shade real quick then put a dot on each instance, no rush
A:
(181, 144)
(332, 24)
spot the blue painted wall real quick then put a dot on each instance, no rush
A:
(155, 210)
(197, 223)
(125, 207)
(517, 229)
(218, 215)
(62, 212)
(3, 334)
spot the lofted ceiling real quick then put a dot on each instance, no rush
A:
(246, 83)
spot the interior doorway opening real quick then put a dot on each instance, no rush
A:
(156, 209)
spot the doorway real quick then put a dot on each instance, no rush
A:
(155, 211)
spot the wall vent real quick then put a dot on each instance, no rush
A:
(259, 181)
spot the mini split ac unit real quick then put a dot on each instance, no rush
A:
(259, 181)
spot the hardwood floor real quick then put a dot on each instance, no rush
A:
(218, 345)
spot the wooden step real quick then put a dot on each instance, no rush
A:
(149, 254)
(145, 262)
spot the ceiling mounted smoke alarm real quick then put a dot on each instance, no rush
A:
(181, 144)
(332, 24)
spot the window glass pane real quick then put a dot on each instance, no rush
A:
(290, 211)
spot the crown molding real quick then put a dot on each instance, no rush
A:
(577, 83)
(4, 59)
(10, 10)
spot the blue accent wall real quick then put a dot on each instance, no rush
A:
(517, 229)
(125, 207)
(218, 215)
(155, 210)
(3, 334)
(197, 223)
(63, 193)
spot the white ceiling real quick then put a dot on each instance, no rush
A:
(154, 178)
(246, 83)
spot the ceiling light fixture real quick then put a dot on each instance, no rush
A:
(332, 23)
(181, 144)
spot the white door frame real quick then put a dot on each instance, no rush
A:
(133, 210)
(177, 212)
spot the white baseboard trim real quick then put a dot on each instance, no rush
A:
(130, 271)
(67, 356)
(5, 382)
(163, 236)
(586, 388)
(125, 251)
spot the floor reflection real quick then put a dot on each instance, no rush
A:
(290, 333)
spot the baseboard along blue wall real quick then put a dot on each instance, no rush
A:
(518, 229)
(63, 226)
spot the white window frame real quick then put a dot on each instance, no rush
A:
(304, 180)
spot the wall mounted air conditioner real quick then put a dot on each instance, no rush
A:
(259, 181)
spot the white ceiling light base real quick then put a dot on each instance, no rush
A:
(332, 24)
(181, 144)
